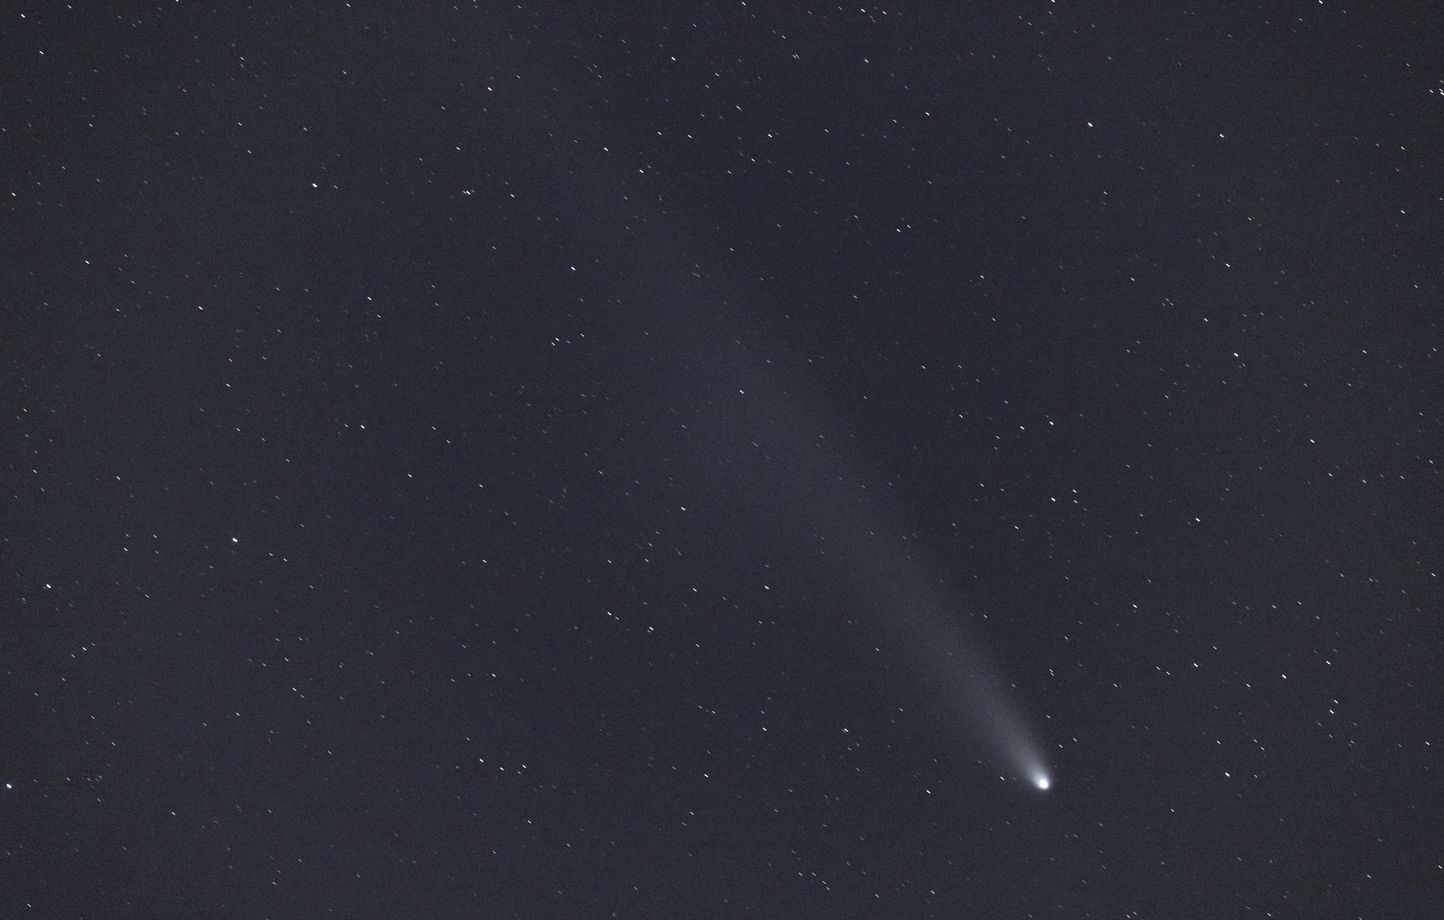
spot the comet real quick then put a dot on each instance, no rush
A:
(804, 484)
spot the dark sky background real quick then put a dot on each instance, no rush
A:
(549, 461)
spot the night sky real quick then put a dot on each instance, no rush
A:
(722, 460)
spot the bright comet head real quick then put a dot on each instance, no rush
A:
(1041, 780)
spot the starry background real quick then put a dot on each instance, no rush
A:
(453, 452)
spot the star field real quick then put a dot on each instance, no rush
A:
(721, 460)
